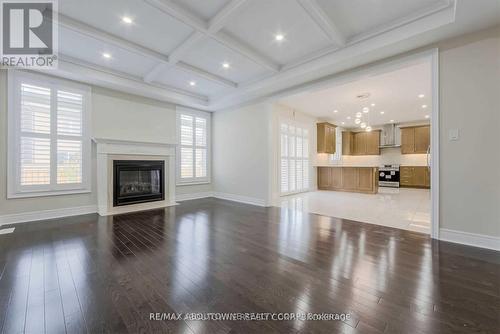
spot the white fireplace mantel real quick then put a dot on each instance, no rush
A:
(112, 149)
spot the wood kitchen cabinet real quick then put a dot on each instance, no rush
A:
(347, 143)
(351, 179)
(361, 143)
(324, 178)
(372, 142)
(415, 177)
(326, 138)
(415, 139)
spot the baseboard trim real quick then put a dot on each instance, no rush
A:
(187, 197)
(240, 199)
(470, 239)
(46, 214)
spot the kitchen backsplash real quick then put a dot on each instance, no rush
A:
(387, 156)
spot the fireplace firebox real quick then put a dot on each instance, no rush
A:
(138, 181)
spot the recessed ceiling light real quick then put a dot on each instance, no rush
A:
(368, 129)
(335, 111)
(192, 83)
(382, 112)
(373, 104)
(427, 116)
(348, 117)
(127, 20)
(392, 121)
(357, 121)
(343, 123)
(279, 37)
(421, 96)
(359, 115)
(424, 106)
(363, 125)
(366, 110)
(106, 55)
(226, 65)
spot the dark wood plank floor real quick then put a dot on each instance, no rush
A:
(91, 274)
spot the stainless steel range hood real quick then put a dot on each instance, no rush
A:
(390, 136)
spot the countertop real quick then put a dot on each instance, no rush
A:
(357, 166)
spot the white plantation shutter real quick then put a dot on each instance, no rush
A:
(34, 158)
(193, 136)
(49, 147)
(294, 159)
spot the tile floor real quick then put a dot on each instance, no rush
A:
(403, 208)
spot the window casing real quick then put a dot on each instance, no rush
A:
(193, 152)
(48, 136)
(294, 159)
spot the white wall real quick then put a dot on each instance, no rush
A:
(122, 116)
(241, 159)
(115, 115)
(470, 101)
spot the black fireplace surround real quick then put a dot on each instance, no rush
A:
(138, 181)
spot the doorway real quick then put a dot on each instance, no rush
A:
(415, 116)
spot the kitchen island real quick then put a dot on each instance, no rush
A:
(348, 178)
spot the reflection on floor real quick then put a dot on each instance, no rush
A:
(408, 209)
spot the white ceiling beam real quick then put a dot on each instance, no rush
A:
(163, 60)
(323, 21)
(101, 35)
(155, 72)
(79, 70)
(174, 56)
(206, 75)
(180, 50)
(173, 10)
(217, 22)
(214, 25)
(243, 49)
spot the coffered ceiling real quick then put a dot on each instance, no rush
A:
(211, 54)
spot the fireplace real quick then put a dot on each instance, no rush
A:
(138, 181)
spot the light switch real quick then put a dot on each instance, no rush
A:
(453, 134)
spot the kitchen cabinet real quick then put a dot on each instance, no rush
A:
(415, 139)
(324, 178)
(350, 179)
(336, 177)
(372, 142)
(326, 139)
(347, 143)
(361, 143)
(415, 176)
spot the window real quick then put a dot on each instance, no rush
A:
(294, 162)
(193, 128)
(49, 144)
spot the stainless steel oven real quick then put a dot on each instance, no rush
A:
(388, 176)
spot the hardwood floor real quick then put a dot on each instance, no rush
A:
(108, 274)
